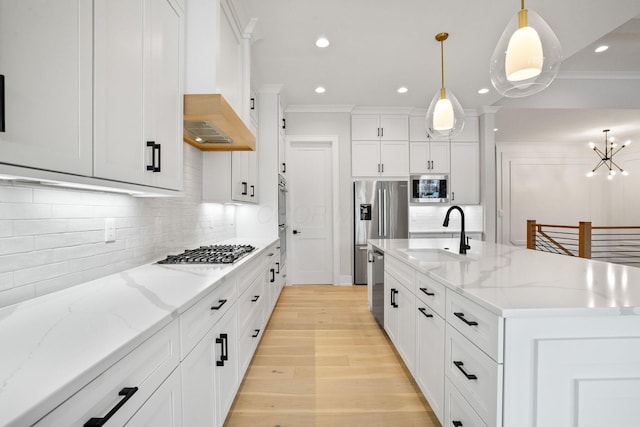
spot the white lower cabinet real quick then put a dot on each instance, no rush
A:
(430, 357)
(445, 338)
(127, 387)
(399, 319)
(213, 369)
(210, 374)
(164, 407)
(459, 412)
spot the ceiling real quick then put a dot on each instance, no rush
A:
(378, 46)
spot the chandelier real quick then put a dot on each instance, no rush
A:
(606, 156)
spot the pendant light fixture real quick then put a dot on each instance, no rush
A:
(445, 116)
(606, 156)
(527, 57)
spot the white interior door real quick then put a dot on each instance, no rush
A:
(310, 233)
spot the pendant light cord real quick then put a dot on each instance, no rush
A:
(442, 61)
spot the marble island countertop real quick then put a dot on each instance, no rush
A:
(55, 344)
(515, 281)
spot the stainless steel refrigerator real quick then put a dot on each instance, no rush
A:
(381, 211)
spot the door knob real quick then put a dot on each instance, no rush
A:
(296, 232)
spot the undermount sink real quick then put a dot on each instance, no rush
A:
(433, 255)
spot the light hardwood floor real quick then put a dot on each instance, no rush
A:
(323, 361)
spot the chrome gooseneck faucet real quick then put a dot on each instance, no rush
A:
(464, 243)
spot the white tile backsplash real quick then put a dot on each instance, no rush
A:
(53, 238)
(428, 219)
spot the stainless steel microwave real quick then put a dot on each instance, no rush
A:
(429, 188)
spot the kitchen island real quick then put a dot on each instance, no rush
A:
(506, 336)
(150, 345)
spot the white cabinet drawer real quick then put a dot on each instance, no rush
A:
(476, 375)
(146, 368)
(250, 300)
(195, 322)
(431, 293)
(402, 272)
(250, 336)
(478, 324)
(247, 273)
(458, 412)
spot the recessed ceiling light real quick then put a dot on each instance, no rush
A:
(495, 129)
(483, 91)
(320, 89)
(601, 48)
(402, 89)
(322, 42)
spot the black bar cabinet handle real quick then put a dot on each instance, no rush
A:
(278, 268)
(426, 292)
(459, 365)
(273, 275)
(284, 123)
(253, 103)
(253, 191)
(158, 147)
(460, 316)
(152, 166)
(456, 423)
(255, 298)
(223, 349)
(2, 103)
(244, 188)
(127, 393)
(221, 302)
(284, 168)
(424, 311)
(257, 332)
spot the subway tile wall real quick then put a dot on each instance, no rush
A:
(53, 238)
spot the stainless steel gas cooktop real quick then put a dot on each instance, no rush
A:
(213, 254)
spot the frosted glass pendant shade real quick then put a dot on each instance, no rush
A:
(527, 57)
(445, 116)
(523, 59)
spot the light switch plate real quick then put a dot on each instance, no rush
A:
(109, 230)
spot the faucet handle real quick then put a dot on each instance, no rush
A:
(467, 243)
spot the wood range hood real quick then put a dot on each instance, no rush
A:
(210, 124)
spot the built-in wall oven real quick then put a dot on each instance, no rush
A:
(282, 217)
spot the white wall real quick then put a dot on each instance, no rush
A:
(339, 123)
(547, 182)
(52, 238)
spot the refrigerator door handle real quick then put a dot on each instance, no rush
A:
(385, 224)
(380, 213)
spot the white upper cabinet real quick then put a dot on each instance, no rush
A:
(45, 58)
(465, 173)
(138, 102)
(426, 156)
(387, 127)
(379, 145)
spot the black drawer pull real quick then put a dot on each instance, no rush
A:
(219, 306)
(255, 298)
(278, 268)
(424, 311)
(2, 103)
(459, 365)
(460, 316)
(257, 332)
(253, 191)
(456, 423)
(244, 189)
(273, 275)
(127, 392)
(426, 292)
(224, 349)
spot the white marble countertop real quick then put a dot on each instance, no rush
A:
(515, 281)
(53, 345)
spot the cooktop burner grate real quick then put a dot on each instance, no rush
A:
(213, 254)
